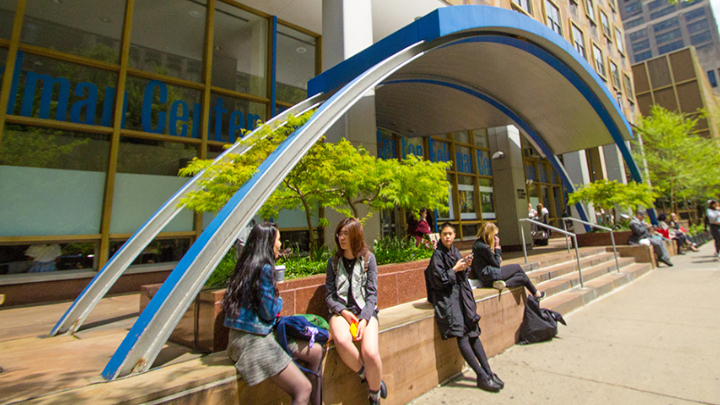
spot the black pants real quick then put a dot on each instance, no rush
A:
(715, 232)
(473, 352)
(514, 276)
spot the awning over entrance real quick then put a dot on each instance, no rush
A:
(503, 68)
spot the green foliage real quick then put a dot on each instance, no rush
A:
(682, 165)
(606, 195)
(392, 249)
(222, 273)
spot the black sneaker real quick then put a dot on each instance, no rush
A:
(383, 390)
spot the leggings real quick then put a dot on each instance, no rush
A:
(472, 351)
(715, 232)
(295, 383)
(514, 276)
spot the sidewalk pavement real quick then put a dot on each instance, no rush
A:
(655, 341)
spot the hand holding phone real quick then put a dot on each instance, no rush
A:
(467, 258)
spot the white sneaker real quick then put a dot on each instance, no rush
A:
(499, 285)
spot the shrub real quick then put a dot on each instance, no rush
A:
(392, 249)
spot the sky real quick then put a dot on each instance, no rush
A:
(716, 9)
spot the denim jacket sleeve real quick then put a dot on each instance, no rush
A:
(271, 305)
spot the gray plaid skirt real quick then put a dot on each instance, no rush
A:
(256, 357)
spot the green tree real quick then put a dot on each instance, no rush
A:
(681, 164)
(607, 195)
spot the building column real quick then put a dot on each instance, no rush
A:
(614, 164)
(576, 166)
(511, 203)
(347, 30)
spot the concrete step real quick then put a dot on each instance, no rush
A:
(552, 259)
(558, 270)
(571, 280)
(577, 297)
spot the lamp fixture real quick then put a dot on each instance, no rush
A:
(498, 155)
(195, 13)
(301, 49)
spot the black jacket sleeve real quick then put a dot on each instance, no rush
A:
(442, 277)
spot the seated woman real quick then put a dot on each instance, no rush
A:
(455, 309)
(681, 233)
(251, 305)
(486, 264)
(351, 297)
(419, 227)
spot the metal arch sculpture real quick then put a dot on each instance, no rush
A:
(152, 329)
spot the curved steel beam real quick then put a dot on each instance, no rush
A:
(121, 260)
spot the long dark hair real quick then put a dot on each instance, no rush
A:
(244, 284)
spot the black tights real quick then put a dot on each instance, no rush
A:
(514, 276)
(301, 387)
(472, 351)
(715, 232)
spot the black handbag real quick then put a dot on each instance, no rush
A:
(539, 324)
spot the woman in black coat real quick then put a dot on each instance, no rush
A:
(486, 264)
(455, 308)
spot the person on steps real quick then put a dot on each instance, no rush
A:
(251, 305)
(486, 265)
(455, 308)
(351, 298)
(641, 235)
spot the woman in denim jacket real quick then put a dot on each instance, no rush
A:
(251, 305)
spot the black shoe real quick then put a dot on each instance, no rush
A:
(383, 390)
(667, 262)
(487, 384)
(497, 380)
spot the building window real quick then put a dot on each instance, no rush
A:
(670, 47)
(641, 45)
(711, 77)
(639, 57)
(701, 38)
(619, 42)
(579, 40)
(668, 36)
(605, 23)
(633, 9)
(629, 92)
(663, 12)
(599, 62)
(590, 10)
(691, 15)
(634, 36)
(634, 23)
(657, 4)
(697, 26)
(295, 64)
(525, 5)
(615, 73)
(667, 24)
(553, 17)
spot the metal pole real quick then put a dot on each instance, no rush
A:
(567, 241)
(577, 256)
(617, 263)
(522, 241)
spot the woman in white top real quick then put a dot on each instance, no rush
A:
(713, 216)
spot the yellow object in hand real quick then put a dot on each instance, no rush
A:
(354, 329)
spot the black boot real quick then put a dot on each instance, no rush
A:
(497, 380)
(487, 384)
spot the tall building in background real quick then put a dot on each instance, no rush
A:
(656, 27)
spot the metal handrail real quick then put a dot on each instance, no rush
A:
(612, 236)
(566, 233)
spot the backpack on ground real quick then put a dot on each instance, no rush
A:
(539, 324)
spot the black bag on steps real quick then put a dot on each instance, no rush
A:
(539, 324)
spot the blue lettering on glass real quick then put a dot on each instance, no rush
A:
(410, 149)
(483, 163)
(463, 162)
(386, 147)
(83, 111)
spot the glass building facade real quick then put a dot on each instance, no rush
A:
(104, 101)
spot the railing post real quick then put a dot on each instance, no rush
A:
(567, 240)
(617, 263)
(522, 241)
(577, 256)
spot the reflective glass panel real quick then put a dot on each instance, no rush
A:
(487, 203)
(146, 178)
(440, 152)
(466, 197)
(481, 140)
(51, 181)
(412, 146)
(160, 108)
(230, 116)
(157, 252)
(47, 258)
(240, 47)
(463, 159)
(386, 145)
(449, 214)
(91, 30)
(469, 231)
(168, 37)
(295, 64)
(51, 89)
(483, 162)
(461, 136)
(7, 15)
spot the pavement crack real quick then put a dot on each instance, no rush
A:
(625, 387)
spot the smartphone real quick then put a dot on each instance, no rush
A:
(467, 257)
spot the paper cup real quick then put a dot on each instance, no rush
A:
(279, 273)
